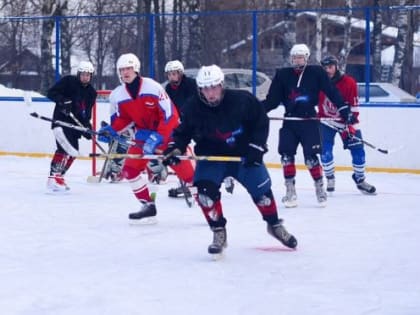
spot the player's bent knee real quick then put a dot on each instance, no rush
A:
(311, 161)
(208, 193)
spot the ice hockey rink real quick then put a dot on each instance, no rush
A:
(76, 253)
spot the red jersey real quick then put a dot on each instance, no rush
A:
(347, 87)
(151, 110)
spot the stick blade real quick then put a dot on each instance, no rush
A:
(93, 179)
(27, 98)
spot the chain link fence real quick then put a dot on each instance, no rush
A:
(36, 51)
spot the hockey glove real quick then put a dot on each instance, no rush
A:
(170, 155)
(348, 132)
(87, 135)
(65, 106)
(106, 134)
(346, 114)
(152, 143)
(254, 156)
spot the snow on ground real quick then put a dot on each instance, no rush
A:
(78, 254)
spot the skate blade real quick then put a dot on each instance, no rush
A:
(217, 257)
(290, 204)
(144, 221)
(368, 193)
(57, 192)
(93, 179)
(322, 204)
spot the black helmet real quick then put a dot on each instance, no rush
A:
(329, 60)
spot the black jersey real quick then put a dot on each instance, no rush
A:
(299, 91)
(83, 98)
(226, 129)
(181, 93)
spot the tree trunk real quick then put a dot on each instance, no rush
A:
(160, 41)
(196, 41)
(407, 81)
(290, 29)
(318, 39)
(401, 44)
(377, 42)
(347, 35)
(47, 71)
(66, 40)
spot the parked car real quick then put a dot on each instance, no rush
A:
(240, 79)
(384, 93)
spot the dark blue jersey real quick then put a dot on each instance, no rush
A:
(181, 93)
(299, 91)
(226, 129)
(83, 97)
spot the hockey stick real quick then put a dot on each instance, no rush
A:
(161, 156)
(83, 129)
(384, 151)
(93, 178)
(187, 193)
(305, 118)
(105, 166)
(77, 121)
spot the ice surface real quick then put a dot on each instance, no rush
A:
(78, 254)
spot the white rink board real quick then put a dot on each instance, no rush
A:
(387, 128)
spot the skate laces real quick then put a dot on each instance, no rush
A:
(279, 230)
(219, 236)
(290, 190)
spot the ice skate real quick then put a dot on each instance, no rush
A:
(180, 192)
(146, 215)
(321, 195)
(363, 186)
(290, 200)
(279, 232)
(330, 184)
(219, 242)
(56, 183)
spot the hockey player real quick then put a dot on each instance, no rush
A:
(144, 104)
(73, 95)
(227, 122)
(348, 90)
(180, 88)
(297, 88)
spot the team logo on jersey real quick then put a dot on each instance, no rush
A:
(229, 137)
(293, 95)
(329, 108)
(82, 109)
(302, 99)
(163, 96)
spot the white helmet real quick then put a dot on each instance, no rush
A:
(209, 76)
(127, 61)
(300, 50)
(85, 66)
(174, 65)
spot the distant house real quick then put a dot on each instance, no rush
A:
(20, 72)
(270, 44)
